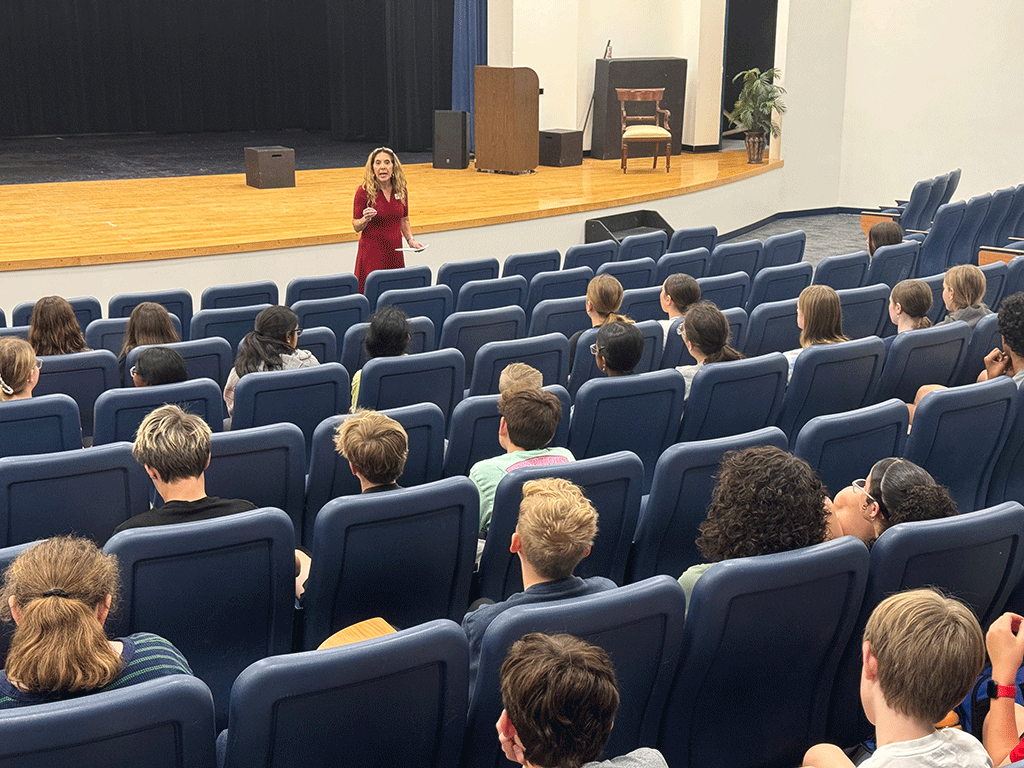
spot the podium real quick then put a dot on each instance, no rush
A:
(506, 119)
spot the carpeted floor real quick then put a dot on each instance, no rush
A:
(827, 234)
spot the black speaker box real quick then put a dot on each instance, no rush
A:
(560, 147)
(451, 139)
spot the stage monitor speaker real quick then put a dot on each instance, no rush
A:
(561, 148)
(451, 139)
(269, 167)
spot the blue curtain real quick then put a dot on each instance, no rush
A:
(469, 48)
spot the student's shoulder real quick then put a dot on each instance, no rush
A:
(644, 757)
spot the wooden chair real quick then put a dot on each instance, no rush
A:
(645, 128)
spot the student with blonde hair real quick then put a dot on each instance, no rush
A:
(58, 593)
(376, 447)
(54, 329)
(519, 376)
(604, 298)
(819, 316)
(963, 289)
(19, 369)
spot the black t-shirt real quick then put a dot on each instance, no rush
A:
(187, 512)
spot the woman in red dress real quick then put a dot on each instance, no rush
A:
(380, 214)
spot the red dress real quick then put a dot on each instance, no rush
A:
(382, 235)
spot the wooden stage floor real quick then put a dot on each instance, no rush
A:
(102, 222)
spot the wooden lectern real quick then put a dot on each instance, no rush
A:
(507, 119)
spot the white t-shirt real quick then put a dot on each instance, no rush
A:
(948, 748)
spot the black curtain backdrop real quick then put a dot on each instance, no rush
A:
(363, 70)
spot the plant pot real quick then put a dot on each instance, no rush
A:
(755, 147)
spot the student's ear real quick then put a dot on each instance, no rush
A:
(503, 427)
(516, 544)
(207, 462)
(12, 602)
(870, 662)
(153, 474)
(587, 553)
(353, 469)
(103, 609)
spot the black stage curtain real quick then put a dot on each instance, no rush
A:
(365, 70)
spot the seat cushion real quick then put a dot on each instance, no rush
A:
(645, 132)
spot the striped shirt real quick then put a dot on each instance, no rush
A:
(146, 657)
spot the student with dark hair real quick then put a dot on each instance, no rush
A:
(705, 333)
(54, 329)
(909, 304)
(149, 323)
(158, 365)
(387, 336)
(679, 292)
(884, 233)
(618, 348)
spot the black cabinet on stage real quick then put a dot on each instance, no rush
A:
(667, 73)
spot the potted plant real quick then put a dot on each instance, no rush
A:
(753, 110)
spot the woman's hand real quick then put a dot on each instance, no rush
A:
(415, 244)
(369, 213)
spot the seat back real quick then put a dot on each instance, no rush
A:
(406, 555)
(780, 250)
(86, 308)
(529, 265)
(339, 314)
(468, 331)
(176, 301)
(584, 364)
(353, 346)
(924, 356)
(893, 263)
(230, 324)
(239, 295)
(675, 352)
(549, 354)
(984, 338)
(434, 302)
(492, 294)
(1007, 481)
(639, 626)
(437, 377)
(635, 273)
(840, 446)
(865, 310)
(952, 182)
(642, 303)
(370, 692)
(320, 287)
(779, 283)
(958, 434)
(565, 316)
(963, 250)
(995, 278)
(831, 378)
(841, 272)
(937, 246)
(936, 190)
(938, 310)
(654, 340)
(647, 245)
(209, 358)
(693, 262)
(725, 291)
(18, 331)
(1014, 282)
(109, 333)
(82, 375)
(591, 255)
(118, 412)
(613, 484)
(381, 280)
(739, 632)
(727, 258)
(771, 327)
(320, 342)
(688, 238)
(88, 493)
(568, 283)
(1008, 228)
(163, 723)
(455, 274)
(684, 477)
(44, 424)
(221, 590)
(734, 397)
(1002, 199)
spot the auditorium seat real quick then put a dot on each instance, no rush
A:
(455, 274)
(865, 310)
(648, 245)
(688, 238)
(468, 331)
(693, 262)
(840, 272)
(529, 265)
(893, 263)
(381, 280)
(565, 284)
(231, 324)
(784, 249)
(591, 255)
(320, 287)
(771, 327)
(924, 356)
(176, 301)
(564, 316)
(210, 358)
(779, 283)
(437, 377)
(82, 375)
(549, 354)
(339, 314)
(119, 412)
(635, 273)
(492, 294)
(725, 291)
(642, 303)
(239, 295)
(743, 256)
(43, 424)
(434, 302)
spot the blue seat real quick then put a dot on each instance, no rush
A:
(163, 723)
(893, 263)
(735, 397)
(1009, 226)
(642, 303)
(995, 279)
(638, 413)
(754, 603)
(784, 249)
(693, 262)
(437, 377)
(952, 182)
(963, 250)
(911, 215)
(108, 333)
(338, 314)
(675, 352)
(118, 412)
(639, 626)
(210, 358)
(353, 347)
(176, 301)
(958, 434)
(1002, 199)
(565, 316)
(221, 590)
(82, 375)
(304, 397)
(321, 342)
(666, 533)
(381, 280)
(434, 302)
(635, 273)
(735, 257)
(1007, 481)
(455, 274)
(529, 265)
(591, 255)
(492, 294)
(370, 693)
(924, 356)
(779, 283)
(984, 338)
(737, 318)
(231, 324)
(772, 327)
(831, 378)
(320, 287)
(693, 237)
(865, 310)
(549, 354)
(648, 245)
(88, 492)
(473, 430)
(1014, 282)
(938, 310)
(44, 424)
(3, 319)
(936, 249)
(725, 291)
(934, 202)
(406, 555)
(841, 446)
(841, 272)
(239, 295)
(17, 331)
(612, 483)
(568, 283)
(584, 365)
(87, 309)
(468, 331)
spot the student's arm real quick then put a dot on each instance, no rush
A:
(1006, 650)
(826, 756)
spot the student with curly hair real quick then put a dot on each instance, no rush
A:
(766, 500)
(54, 329)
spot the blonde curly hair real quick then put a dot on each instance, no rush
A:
(398, 185)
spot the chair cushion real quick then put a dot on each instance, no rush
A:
(645, 132)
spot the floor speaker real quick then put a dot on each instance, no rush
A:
(451, 139)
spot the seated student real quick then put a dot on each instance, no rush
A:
(1001, 733)
(604, 297)
(963, 289)
(618, 348)
(766, 500)
(819, 316)
(149, 323)
(921, 652)
(909, 304)
(895, 491)
(705, 333)
(679, 292)
(519, 376)
(158, 365)
(19, 368)
(560, 697)
(529, 418)
(376, 447)
(54, 329)
(556, 530)
(58, 593)
(387, 336)
(884, 233)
